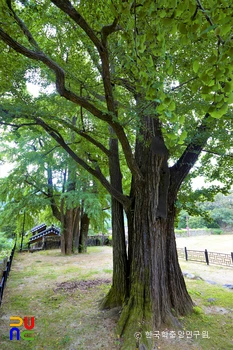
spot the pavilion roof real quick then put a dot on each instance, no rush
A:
(49, 231)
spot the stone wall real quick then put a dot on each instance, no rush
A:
(193, 232)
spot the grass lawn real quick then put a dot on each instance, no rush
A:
(63, 294)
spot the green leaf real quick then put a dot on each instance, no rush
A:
(230, 99)
(172, 106)
(217, 113)
(207, 30)
(172, 136)
(182, 119)
(182, 137)
(228, 87)
(226, 28)
(161, 108)
(196, 66)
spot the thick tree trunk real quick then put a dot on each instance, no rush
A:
(76, 228)
(157, 289)
(69, 230)
(70, 215)
(119, 288)
(84, 227)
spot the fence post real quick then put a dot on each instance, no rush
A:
(186, 253)
(206, 257)
(1, 289)
(8, 267)
(5, 274)
(232, 257)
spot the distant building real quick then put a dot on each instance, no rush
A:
(45, 238)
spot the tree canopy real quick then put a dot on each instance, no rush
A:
(180, 64)
(150, 84)
(45, 183)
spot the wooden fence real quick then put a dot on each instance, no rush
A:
(4, 272)
(206, 257)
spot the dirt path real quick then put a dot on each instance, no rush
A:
(217, 274)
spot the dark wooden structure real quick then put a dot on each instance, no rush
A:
(45, 238)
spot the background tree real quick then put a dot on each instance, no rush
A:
(43, 177)
(159, 75)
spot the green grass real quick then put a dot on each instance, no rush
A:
(68, 319)
(215, 317)
(95, 249)
(64, 319)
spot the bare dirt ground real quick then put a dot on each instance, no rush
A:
(221, 244)
(213, 243)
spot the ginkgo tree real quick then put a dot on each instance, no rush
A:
(153, 79)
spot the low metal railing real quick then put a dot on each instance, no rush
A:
(205, 256)
(5, 272)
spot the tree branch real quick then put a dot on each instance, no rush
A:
(220, 40)
(23, 27)
(66, 6)
(54, 207)
(126, 84)
(17, 126)
(218, 154)
(95, 172)
(109, 29)
(49, 195)
(60, 76)
(35, 186)
(69, 95)
(187, 160)
(86, 136)
(184, 83)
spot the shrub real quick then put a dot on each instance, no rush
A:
(217, 231)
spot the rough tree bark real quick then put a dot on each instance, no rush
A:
(157, 289)
(84, 227)
(70, 214)
(76, 228)
(69, 217)
(70, 230)
(119, 289)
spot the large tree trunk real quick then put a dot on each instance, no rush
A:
(157, 289)
(84, 227)
(70, 215)
(70, 227)
(76, 228)
(67, 232)
(119, 288)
